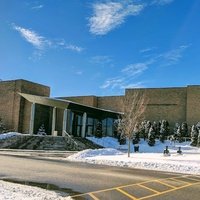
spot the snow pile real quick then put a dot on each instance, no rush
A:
(8, 135)
(11, 191)
(150, 158)
(108, 142)
(92, 153)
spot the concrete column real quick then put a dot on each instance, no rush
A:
(65, 118)
(84, 125)
(32, 117)
(71, 124)
(53, 121)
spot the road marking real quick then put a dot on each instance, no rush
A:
(92, 195)
(164, 192)
(127, 194)
(176, 179)
(193, 179)
(179, 180)
(171, 186)
(155, 191)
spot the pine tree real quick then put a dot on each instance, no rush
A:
(99, 129)
(151, 137)
(184, 129)
(179, 134)
(198, 140)
(164, 130)
(194, 136)
(147, 128)
(136, 135)
(41, 130)
(2, 126)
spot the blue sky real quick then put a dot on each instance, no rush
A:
(100, 47)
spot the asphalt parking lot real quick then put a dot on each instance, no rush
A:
(85, 181)
(144, 190)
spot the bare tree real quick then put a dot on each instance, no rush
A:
(134, 106)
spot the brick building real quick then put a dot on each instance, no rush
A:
(25, 105)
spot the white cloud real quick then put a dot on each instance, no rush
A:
(109, 15)
(63, 44)
(133, 85)
(74, 48)
(113, 82)
(127, 76)
(36, 55)
(41, 43)
(37, 7)
(78, 72)
(147, 50)
(173, 56)
(134, 69)
(129, 73)
(104, 61)
(162, 2)
(32, 37)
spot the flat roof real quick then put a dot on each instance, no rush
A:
(66, 104)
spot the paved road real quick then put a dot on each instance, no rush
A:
(85, 181)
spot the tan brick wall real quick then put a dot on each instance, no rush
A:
(86, 100)
(36, 89)
(164, 103)
(193, 104)
(13, 108)
(114, 103)
(173, 104)
(7, 103)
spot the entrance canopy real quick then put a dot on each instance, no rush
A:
(66, 104)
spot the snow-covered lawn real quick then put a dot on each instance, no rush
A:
(11, 191)
(8, 135)
(151, 158)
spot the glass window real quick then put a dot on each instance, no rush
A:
(109, 127)
(89, 130)
(90, 121)
(104, 127)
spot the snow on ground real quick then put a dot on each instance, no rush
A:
(150, 158)
(8, 135)
(12, 191)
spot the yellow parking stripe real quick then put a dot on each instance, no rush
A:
(155, 191)
(127, 194)
(179, 180)
(164, 192)
(176, 178)
(95, 198)
(193, 179)
(163, 183)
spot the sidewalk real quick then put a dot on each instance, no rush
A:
(36, 153)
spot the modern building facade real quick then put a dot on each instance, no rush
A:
(25, 106)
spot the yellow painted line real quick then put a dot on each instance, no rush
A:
(163, 183)
(179, 180)
(155, 191)
(127, 194)
(123, 186)
(95, 198)
(164, 192)
(198, 180)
